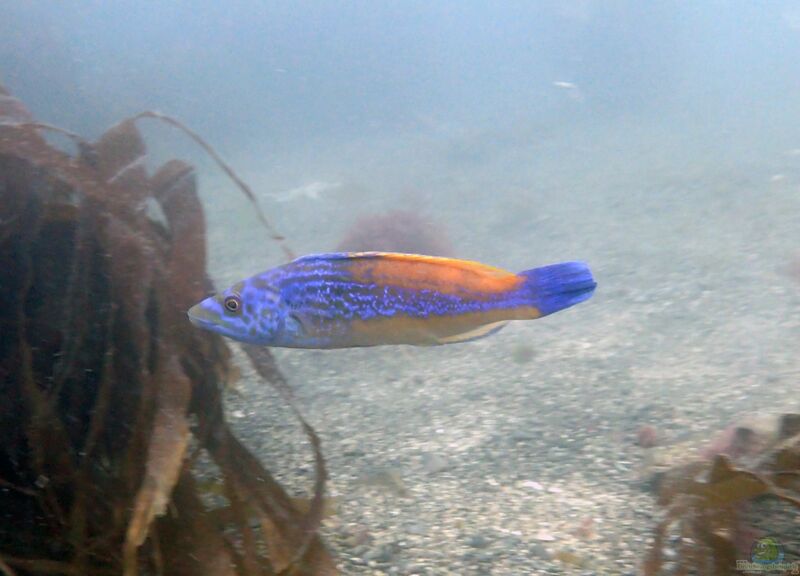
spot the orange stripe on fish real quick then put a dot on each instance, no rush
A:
(445, 275)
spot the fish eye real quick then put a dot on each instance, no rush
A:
(233, 304)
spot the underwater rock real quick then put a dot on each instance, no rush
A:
(532, 485)
(358, 536)
(789, 426)
(383, 554)
(396, 231)
(478, 541)
(545, 535)
(523, 354)
(646, 436)
(386, 479)
(12, 108)
(538, 550)
(434, 463)
(735, 442)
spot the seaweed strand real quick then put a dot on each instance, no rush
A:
(274, 234)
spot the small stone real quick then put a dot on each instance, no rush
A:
(647, 436)
(417, 529)
(485, 557)
(358, 537)
(360, 550)
(538, 550)
(522, 437)
(475, 557)
(545, 536)
(477, 541)
(387, 479)
(381, 555)
(522, 354)
(570, 558)
(434, 463)
(511, 542)
(413, 570)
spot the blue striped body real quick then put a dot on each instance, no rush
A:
(367, 299)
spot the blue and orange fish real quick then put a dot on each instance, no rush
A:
(349, 299)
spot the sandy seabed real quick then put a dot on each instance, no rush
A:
(517, 454)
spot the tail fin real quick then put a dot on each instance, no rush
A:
(558, 286)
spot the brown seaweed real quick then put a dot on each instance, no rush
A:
(108, 392)
(706, 505)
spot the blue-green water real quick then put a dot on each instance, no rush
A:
(659, 142)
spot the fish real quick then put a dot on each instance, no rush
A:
(310, 191)
(564, 85)
(358, 299)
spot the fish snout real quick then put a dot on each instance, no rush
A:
(211, 315)
(202, 316)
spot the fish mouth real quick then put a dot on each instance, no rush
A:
(202, 317)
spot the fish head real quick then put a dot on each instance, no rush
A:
(248, 311)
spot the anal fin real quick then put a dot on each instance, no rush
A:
(474, 334)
